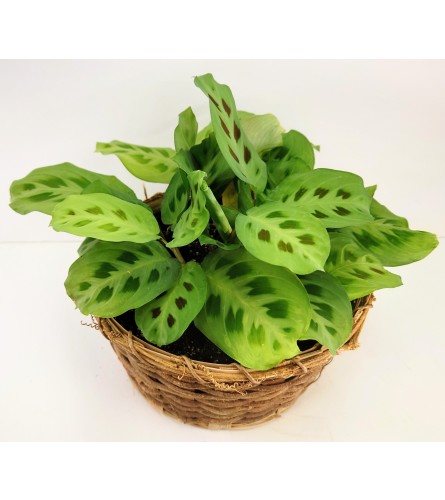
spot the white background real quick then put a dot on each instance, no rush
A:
(384, 120)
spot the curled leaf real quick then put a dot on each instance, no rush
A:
(148, 164)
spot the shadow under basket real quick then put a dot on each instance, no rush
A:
(218, 396)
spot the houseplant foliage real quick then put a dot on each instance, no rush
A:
(287, 246)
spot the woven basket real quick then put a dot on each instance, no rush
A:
(218, 396)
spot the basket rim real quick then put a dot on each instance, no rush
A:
(116, 333)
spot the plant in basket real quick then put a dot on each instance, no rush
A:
(251, 251)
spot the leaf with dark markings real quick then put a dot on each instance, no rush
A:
(165, 319)
(208, 158)
(254, 312)
(101, 187)
(195, 219)
(335, 198)
(379, 211)
(204, 239)
(296, 155)
(43, 188)
(207, 131)
(148, 164)
(105, 217)
(357, 269)
(175, 198)
(185, 132)
(331, 318)
(111, 278)
(285, 236)
(233, 142)
(392, 244)
(86, 244)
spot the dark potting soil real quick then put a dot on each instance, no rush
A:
(192, 343)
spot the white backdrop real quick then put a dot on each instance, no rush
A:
(384, 120)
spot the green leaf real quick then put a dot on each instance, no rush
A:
(263, 131)
(105, 217)
(285, 236)
(295, 156)
(231, 214)
(379, 211)
(112, 278)
(392, 244)
(357, 269)
(208, 158)
(185, 132)
(204, 239)
(148, 164)
(233, 142)
(208, 129)
(165, 319)
(86, 244)
(331, 321)
(175, 198)
(195, 219)
(335, 198)
(245, 199)
(255, 312)
(43, 188)
(100, 187)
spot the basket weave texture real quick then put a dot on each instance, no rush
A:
(218, 396)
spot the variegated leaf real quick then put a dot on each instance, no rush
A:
(296, 155)
(208, 129)
(175, 198)
(43, 188)
(392, 244)
(285, 236)
(335, 198)
(148, 164)
(105, 217)
(111, 278)
(263, 131)
(255, 312)
(233, 142)
(208, 158)
(379, 211)
(165, 319)
(331, 320)
(357, 269)
(86, 244)
(185, 132)
(195, 219)
(204, 239)
(100, 187)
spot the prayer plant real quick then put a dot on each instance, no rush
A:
(287, 247)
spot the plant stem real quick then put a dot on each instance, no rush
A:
(175, 251)
(217, 214)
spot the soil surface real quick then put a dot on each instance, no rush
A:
(192, 343)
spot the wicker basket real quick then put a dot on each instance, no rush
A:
(218, 396)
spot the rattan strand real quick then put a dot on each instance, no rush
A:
(221, 396)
